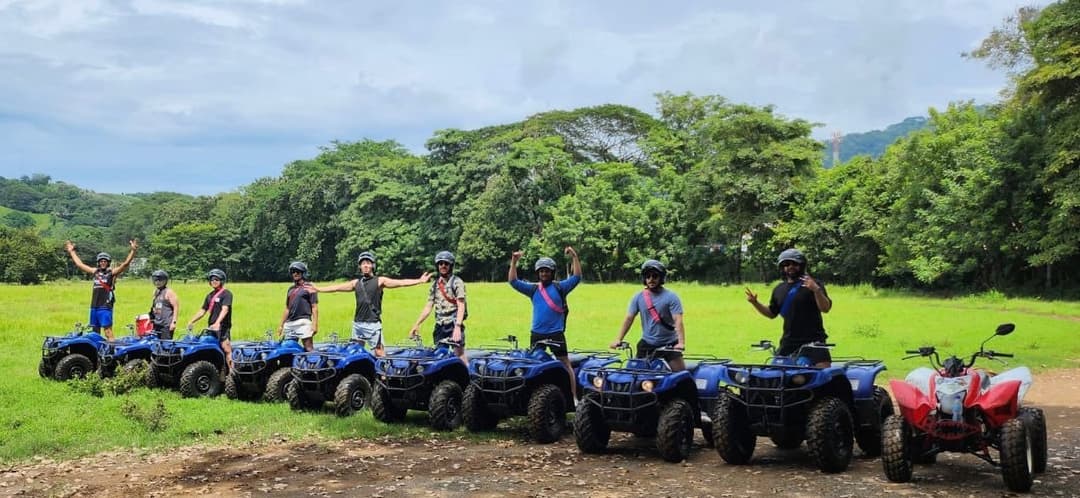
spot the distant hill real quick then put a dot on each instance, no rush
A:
(873, 143)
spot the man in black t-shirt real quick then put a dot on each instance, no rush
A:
(800, 299)
(301, 317)
(218, 304)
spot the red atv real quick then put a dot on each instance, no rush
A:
(955, 407)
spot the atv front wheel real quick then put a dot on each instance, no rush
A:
(675, 430)
(547, 414)
(135, 365)
(590, 429)
(298, 399)
(353, 394)
(1017, 459)
(731, 431)
(200, 379)
(444, 406)
(1036, 422)
(43, 370)
(829, 434)
(275, 385)
(383, 407)
(896, 449)
(475, 412)
(869, 438)
(73, 366)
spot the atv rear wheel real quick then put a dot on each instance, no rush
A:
(475, 412)
(383, 407)
(675, 430)
(200, 379)
(1017, 458)
(353, 394)
(896, 449)
(731, 431)
(547, 414)
(298, 399)
(153, 380)
(1036, 422)
(829, 434)
(869, 438)
(73, 366)
(444, 406)
(590, 429)
(275, 385)
(135, 365)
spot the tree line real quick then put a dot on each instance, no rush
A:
(983, 197)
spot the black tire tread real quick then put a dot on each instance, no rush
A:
(190, 376)
(1036, 421)
(276, 384)
(542, 429)
(821, 434)
(383, 407)
(475, 412)
(74, 361)
(591, 431)
(731, 432)
(344, 393)
(869, 439)
(675, 430)
(1015, 437)
(896, 451)
(444, 406)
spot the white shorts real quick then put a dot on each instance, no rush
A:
(298, 329)
(370, 333)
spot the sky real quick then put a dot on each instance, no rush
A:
(203, 97)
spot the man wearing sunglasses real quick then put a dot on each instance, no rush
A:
(800, 299)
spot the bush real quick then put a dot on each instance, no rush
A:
(154, 419)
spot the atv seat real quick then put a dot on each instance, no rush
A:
(476, 353)
(577, 358)
(692, 365)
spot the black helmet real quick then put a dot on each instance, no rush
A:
(791, 255)
(220, 275)
(444, 256)
(103, 255)
(544, 263)
(653, 265)
(300, 267)
(159, 275)
(368, 255)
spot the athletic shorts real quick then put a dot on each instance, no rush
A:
(644, 350)
(101, 317)
(298, 329)
(222, 335)
(446, 331)
(558, 351)
(370, 333)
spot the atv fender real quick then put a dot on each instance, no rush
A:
(999, 403)
(914, 404)
(1021, 374)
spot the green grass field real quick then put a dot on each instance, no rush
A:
(46, 418)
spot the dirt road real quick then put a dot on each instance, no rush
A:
(514, 467)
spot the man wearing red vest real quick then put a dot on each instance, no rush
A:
(661, 317)
(549, 304)
(103, 298)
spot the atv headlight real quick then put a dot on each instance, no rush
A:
(742, 377)
(263, 355)
(798, 379)
(647, 386)
(951, 394)
(419, 369)
(330, 363)
(518, 372)
(598, 382)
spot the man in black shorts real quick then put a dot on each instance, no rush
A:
(218, 304)
(800, 299)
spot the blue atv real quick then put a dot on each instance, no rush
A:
(262, 369)
(70, 356)
(194, 364)
(129, 352)
(642, 396)
(529, 382)
(419, 378)
(339, 373)
(789, 400)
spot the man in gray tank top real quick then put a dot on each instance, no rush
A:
(165, 306)
(368, 290)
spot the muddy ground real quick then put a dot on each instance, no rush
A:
(514, 467)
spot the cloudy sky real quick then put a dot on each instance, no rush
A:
(201, 96)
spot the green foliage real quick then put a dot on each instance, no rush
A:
(17, 219)
(26, 258)
(152, 419)
(872, 143)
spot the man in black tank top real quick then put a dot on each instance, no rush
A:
(102, 299)
(368, 290)
(165, 308)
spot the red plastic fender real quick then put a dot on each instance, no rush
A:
(914, 404)
(999, 403)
